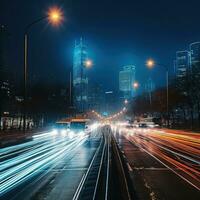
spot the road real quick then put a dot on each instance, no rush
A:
(163, 164)
(47, 167)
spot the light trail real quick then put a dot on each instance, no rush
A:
(179, 150)
(37, 138)
(21, 162)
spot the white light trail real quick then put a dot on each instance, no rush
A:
(21, 162)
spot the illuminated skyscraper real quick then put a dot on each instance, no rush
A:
(182, 63)
(182, 67)
(80, 78)
(195, 57)
(126, 80)
(195, 52)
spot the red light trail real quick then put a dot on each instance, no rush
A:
(178, 150)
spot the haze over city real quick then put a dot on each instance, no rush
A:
(117, 34)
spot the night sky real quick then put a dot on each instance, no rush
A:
(117, 33)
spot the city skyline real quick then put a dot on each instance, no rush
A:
(100, 100)
(136, 48)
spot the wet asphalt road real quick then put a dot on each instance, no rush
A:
(150, 179)
(57, 178)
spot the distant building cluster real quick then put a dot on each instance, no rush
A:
(126, 81)
(87, 95)
(187, 62)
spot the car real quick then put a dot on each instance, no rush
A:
(143, 125)
(61, 128)
(129, 126)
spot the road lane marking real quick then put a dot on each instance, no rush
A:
(129, 167)
(169, 167)
(151, 168)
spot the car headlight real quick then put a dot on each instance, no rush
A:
(71, 134)
(54, 131)
(82, 133)
(63, 132)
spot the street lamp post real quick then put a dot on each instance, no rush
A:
(150, 64)
(54, 16)
(26, 68)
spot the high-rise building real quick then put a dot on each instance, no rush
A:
(182, 69)
(126, 80)
(95, 97)
(195, 52)
(195, 57)
(80, 78)
(182, 63)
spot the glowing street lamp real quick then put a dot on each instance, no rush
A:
(135, 85)
(150, 63)
(85, 64)
(55, 17)
(88, 63)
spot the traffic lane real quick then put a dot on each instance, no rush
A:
(151, 179)
(34, 158)
(37, 143)
(14, 173)
(21, 147)
(7, 140)
(177, 151)
(73, 173)
(60, 181)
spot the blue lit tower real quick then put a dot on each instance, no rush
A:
(182, 63)
(182, 68)
(195, 58)
(80, 78)
(126, 80)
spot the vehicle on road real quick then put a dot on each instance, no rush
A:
(71, 127)
(145, 123)
(78, 125)
(61, 127)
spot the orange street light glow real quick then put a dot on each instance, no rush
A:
(55, 16)
(135, 85)
(150, 63)
(88, 63)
